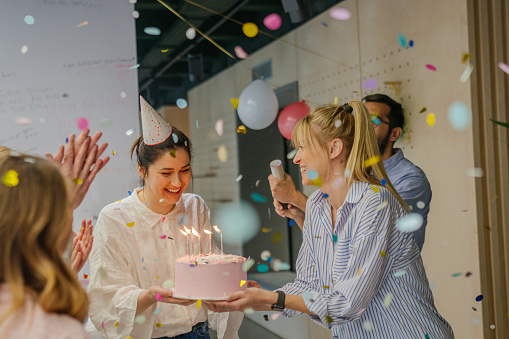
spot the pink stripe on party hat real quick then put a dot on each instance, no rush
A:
(155, 129)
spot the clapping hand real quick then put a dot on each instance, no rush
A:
(81, 246)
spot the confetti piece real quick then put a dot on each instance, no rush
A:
(239, 178)
(422, 110)
(181, 103)
(29, 20)
(387, 300)
(308, 297)
(173, 154)
(291, 222)
(328, 319)
(190, 33)
(324, 24)
(262, 268)
(247, 265)
(265, 255)
(250, 29)
(382, 254)
(492, 327)
(383, 182)
(291, 155)
(159, 297)
(459, 115)
(222, 153)
(275, 316)
(158, 310)
(399, 273)
(410, 223)
(235, 105)
(152, 31)
(30, 160)
(102, 324)
(23, 121)
(116, 324)
(367, 325)
(371, 161)
(159, 325)
(77, 181)
(359, 271)
(503, 67)
(113, 152)
(479, 298)
(24, 49)
(360, 311)
(241, 54)
(402, 40)
(475, 172)
(420, 205)
(468, 274)
(466, 73)
(266, 230)
(85, 276)
(219, 127)
(272, 21)
(197, 126)
(136, 14)
(241, 129)
(140, 319)
(431, 67)
(334, 238)
(276, 238)
(242, 283)
(370, 84)
(326, 287)
(130, 224)
(81, 24)
(162, 236)
(411, 43)
(161, 200)
(128, 337)
(164, 50)
(198, 304)
(339, 13)
(249, 310)
(504, 124)
(266, 317)
(476, 321)
(465, 57)
(311, 174)
(134, 67)
(258, 197)
(375, 189)
(82, 123)
(10, 178)
(338, 123)
(430, 119)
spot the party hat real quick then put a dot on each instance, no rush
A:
(155, 129)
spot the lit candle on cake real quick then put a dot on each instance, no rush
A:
(190, 240)
(219, 231)
(198, 237)
(210, 240)
(187, 240)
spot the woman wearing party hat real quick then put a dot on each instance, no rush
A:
(137, 241)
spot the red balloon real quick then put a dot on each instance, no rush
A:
(290, 116)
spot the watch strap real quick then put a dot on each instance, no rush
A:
(280, 303)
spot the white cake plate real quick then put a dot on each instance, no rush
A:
(178, 296)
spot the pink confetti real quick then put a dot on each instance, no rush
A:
(339, 13)
(158, 297)
(102, 323)
(360, 311)
(23, 121)
(163, 219)
(272, 21)
(431, 67)
(162, 236)
(240, 53)
(82, 123)
(503, 67)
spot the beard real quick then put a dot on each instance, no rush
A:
(385, 142)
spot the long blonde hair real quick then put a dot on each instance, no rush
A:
(35, 225)
(356, 131)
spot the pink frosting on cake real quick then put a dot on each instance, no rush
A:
(210, 276)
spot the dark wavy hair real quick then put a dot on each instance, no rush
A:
(396, 114)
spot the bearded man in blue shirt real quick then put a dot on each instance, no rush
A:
(409, 180)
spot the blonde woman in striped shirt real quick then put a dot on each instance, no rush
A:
(357, 273)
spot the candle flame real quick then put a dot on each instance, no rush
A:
(187, 230)
(207, 231)
(196, 234)
(183, 232)
(217, 229)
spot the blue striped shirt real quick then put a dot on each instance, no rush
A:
(365, 279)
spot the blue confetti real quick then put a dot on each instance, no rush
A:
(181, 103)
(402, 40)
(262, 268)
(269, 259)
(284, 266)
(399, 273)
(426, 336)
(197, 124)
(158, 310)
(411, 43)
(142, 259)
(383, 182)
(291, 223)
(335, 238)
(175, 138)
(325, 195)
(29, 20)
(459, 115)
(129, 192)
(479, 297)
(457, 274)
(312, 175)
(66, 140)
(324, 24)
(307, 297)
(258, 197)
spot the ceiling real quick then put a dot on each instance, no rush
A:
(163, 74)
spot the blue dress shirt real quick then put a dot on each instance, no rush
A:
(364, 278)
(412, 185)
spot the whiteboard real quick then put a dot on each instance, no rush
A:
(78, 64)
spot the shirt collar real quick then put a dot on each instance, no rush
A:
(152, 218)
(390, 163)
(354, 194)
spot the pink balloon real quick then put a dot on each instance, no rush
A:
(272, 21)
(290, 116)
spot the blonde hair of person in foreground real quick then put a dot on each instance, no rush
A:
(35, 228)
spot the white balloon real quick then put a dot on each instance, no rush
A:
(257, 105)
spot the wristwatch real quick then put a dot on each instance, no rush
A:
(280, 303)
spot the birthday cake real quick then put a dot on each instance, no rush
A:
(209, 277)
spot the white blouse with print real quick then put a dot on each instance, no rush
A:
(134, 249)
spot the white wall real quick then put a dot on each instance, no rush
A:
(350, 51)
